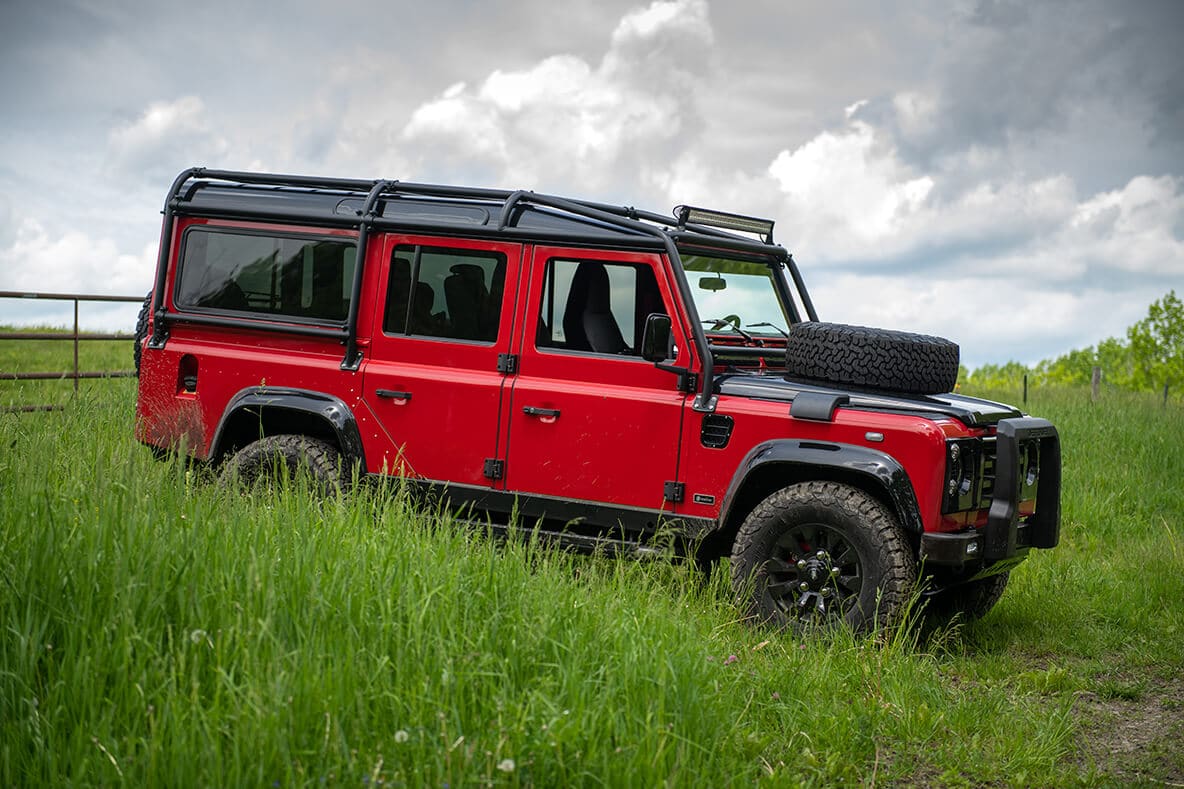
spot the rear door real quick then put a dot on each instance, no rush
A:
(432, 379)
(589, 419)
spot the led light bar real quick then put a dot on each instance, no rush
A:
(709, 218)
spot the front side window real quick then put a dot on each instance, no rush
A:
(449, 293)
(289, 276)
(597, 307)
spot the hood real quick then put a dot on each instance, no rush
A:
(970, 411)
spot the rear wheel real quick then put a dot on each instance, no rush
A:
(822, 552)
(273, 459)
(141, 331)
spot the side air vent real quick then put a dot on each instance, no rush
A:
(717, 431)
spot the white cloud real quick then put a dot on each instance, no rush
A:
(167, 137)
(848, 188)
(564, 121)
(990, 322)
(73, 263)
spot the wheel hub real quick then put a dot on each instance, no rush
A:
(817, 577)
(816, 586)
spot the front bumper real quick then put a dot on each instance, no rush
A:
(1005, 536)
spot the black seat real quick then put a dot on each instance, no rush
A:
(466, 294)
(422, 319)
(588, 322)
(398, 294)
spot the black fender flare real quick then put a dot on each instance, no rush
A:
(865, 466)
(331, 410)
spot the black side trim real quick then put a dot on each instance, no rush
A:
(331, 409)
(869, 465)
(583, 517)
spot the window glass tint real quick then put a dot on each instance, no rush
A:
(594, 306)
(450, 293)
(294, 277)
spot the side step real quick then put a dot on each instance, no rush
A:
(578, 543)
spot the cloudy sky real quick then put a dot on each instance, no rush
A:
(1006, 174)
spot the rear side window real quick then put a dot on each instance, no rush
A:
(293, 276)
(455, 294)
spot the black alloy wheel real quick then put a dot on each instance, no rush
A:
(822, 553)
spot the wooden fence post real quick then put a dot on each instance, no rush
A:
(1095, 381)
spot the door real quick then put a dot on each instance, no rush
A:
(432, 378)
(589, 419)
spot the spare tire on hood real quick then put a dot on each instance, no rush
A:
(881, 359)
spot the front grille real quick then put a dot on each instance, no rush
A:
(986, 480)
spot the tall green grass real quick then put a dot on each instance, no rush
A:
(159, 629)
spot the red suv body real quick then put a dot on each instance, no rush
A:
(555, 358)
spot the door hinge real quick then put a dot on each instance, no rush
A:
(507, 363)
(494, 469)
(674, 492)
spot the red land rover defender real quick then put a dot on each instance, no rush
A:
(603, 371)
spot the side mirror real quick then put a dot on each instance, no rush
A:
(657, 342)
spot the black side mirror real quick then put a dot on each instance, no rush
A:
(657, 342)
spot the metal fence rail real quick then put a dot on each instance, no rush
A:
(75, 337)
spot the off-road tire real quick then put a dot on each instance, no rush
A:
(854, 532)
(967, 601)
(881, 359)
(141, 330)
(286, 455)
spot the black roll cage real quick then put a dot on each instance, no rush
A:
(634, 228)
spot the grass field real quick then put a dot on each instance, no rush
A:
(159, 630)
(56, 356)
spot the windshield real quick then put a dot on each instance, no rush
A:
(735, 295)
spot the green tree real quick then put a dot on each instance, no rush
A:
(1157, 345)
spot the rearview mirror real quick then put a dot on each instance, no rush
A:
(657, 342)
(712, 283)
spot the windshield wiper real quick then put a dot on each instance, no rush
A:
(733, 323)
(774, 327)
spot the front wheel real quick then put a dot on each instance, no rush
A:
(283, 457)
(822, 552)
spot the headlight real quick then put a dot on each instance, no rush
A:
(953, 470)
(963, 460)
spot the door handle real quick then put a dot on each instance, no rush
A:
(531, 410)
(390, 394)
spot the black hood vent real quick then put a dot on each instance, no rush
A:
(717, 431)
